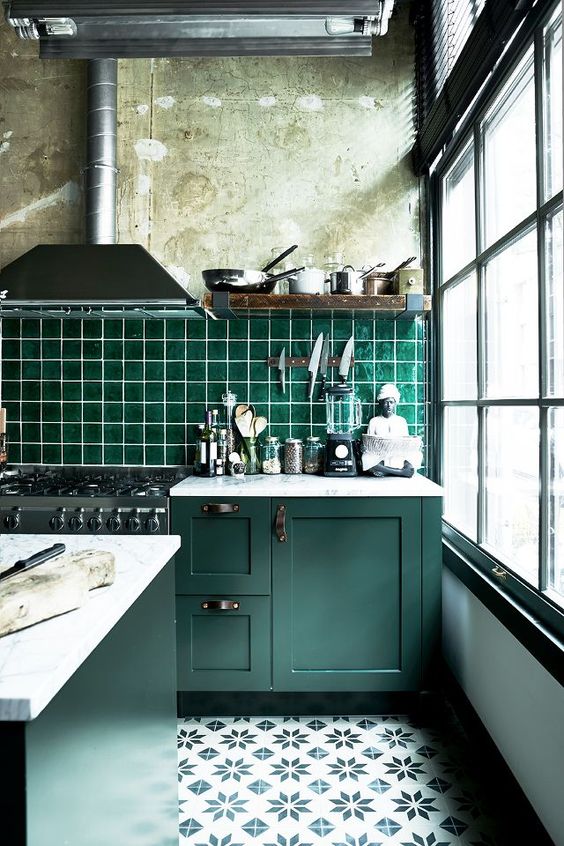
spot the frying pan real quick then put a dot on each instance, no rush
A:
(247, 281)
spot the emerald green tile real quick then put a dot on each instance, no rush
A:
(31, 348)
(420, 414)
(154, 350)
(237, 329)
(92, 370)
(113, 350)
(365, 392)
(52, 453)
(113, 370)
(14, 431)
(175, 455)
(31, 370)
(259, 395)
(385, 330)
(217, 351)
(11, 349)
(113, 454)
(72, 433)
(155, 371)
(71, 391)
(92, 412)
(12, 369)
(301, 329)
(14, 411)
(134, 371)
(50, 411)
(258, 371)
(406, 330)
(175, 371)
(364, 329)
(259, 328)
(217, 371)
(407, 392)
(92, 433)
(321, 324)
(363, 350)
(196, 371)
(50, 369)
(318, 413)
(92, 391)
(134, 350)
(113, 433)
(238, 351)
(133, 412)
(280, 431)
(72, 411)
(363, 371)
(51, 349)
(217, 330)
(384, 351)
(276, 394)
(154, 455)
(195, 412)
(300, 430)
(92, 454)
(52, 391)
(113, 412)
(298, 375)
(11, 391)
(154, 412)
(406, 372)
(195, 351)
(238, 371)
(134, 455)
(133, 329)
(15, 453)
(92, 349)
(196, 391)
(52, 328)
(342, 329)
(71, 349)
(383, 372)
(259, 350)
(31, 391)
(133, 391)
(154, 392)
(175, 392)
(175, 350)
(133, 433)
(175, 434)
(113, 328)
(92, 329)
(175, 412)
(279, 328)
(279, 413)
(196, 329)
(301, 412)
(154, 433)
(11, 327)
(407, 411)
(30, 411)
(32, 432)
(154, 329)
(420, 372)
(71, 370)
(72, 328)
(72, 453)
(299, 348)
(31, 453)
(406, 351)
(113, 392)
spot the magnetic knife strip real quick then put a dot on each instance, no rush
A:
(303, 361)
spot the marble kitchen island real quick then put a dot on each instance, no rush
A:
(88, 707)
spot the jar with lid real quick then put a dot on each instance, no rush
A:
(270, 451)
(293, 456)
(313, 455)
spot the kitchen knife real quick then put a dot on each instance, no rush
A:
(323, 364)
(282, 369)
(33, 560)
(313, 365)
(346, 358)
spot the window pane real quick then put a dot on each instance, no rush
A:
(553, 105)
(459, 232)
(556, 501)
(512, 321)
(509, 154)
(512, 488)
(459, 340)
(555, 305)
(460, 461)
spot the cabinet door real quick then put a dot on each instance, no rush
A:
(225, 545)
(347, 595)
(223, 649)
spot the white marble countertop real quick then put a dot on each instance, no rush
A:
(36, 662)
(306, 485)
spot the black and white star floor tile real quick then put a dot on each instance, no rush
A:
(325, 781)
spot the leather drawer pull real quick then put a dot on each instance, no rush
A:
(220, 508)
(220, 605)
(281, 524)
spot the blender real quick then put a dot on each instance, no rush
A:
(343, 417)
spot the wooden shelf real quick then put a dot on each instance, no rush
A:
(230, 306)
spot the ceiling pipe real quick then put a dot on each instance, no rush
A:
(101, 152)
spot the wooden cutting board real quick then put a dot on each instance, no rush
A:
(53, 588)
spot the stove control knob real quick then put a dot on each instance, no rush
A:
(56, 523)
(12, 521)
(114, 523)
(94, 524)
(152, 524)
(75, 523)
(133, 524)
(341, 451)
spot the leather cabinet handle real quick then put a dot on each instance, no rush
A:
(220, 605)
(220, 508)
(281, 524)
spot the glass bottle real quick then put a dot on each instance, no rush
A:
(271, 464)
(293, 456)
(229, 400)
(197, 455)
(313, 455)
(208, 448)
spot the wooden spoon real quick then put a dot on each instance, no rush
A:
(259, 425)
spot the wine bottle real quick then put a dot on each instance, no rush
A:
(208, 448)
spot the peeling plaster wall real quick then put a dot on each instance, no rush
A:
(221, 160)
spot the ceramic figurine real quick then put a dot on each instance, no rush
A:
(388, 424)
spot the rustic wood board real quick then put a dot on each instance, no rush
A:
(316, 302)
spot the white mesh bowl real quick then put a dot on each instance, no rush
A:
(392, 451)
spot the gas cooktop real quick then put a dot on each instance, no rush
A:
(88, 481)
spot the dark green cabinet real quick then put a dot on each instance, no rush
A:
(225, 545)
(347, 595)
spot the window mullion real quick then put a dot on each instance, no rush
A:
(480, 327)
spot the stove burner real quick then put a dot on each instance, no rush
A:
(88, 482)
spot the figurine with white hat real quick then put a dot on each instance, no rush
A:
(388, 424)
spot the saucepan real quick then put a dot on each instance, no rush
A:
(248, 281)
(348, 280)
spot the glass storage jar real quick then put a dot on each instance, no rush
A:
(313, 455)
(270, 453)
(293, 456)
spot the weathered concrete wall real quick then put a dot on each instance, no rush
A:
(221, 160)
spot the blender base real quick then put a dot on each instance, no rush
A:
(340, 459)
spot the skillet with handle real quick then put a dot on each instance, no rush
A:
(248, 281)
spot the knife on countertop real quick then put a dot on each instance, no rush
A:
(313, 365)
(282, 369)
(323, 365)
(26, 564)
(346, 359)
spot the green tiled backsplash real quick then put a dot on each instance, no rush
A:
(132, 391)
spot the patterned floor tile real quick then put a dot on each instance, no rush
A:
(326, 781)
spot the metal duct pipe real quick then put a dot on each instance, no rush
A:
(101, 152)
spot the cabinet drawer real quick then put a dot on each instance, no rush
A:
(225, 545)
(223, 648)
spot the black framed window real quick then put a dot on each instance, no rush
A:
(498, 223)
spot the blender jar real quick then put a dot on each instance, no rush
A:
(344, 413)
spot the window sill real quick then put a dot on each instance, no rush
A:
(546, 647)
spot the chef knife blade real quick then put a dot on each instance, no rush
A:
(346, 358)
(323, 364)
(282, 369)
(313, 365)
(33, 560)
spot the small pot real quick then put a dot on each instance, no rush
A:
(311, 280)
(348, 280)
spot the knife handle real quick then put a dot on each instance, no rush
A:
(322, 391)
(33, 560)
(311, 384)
